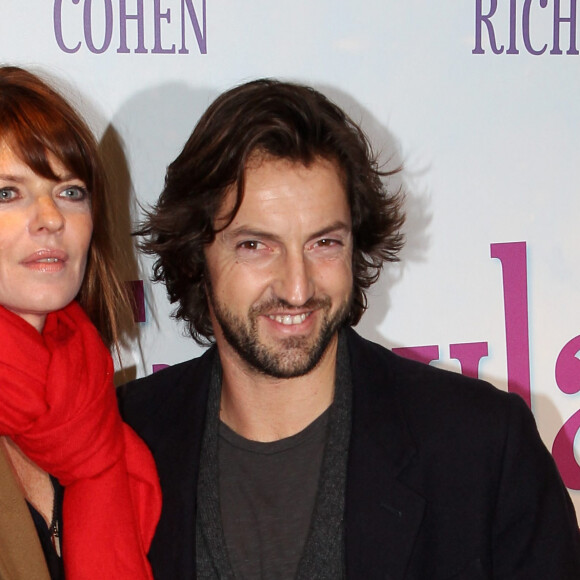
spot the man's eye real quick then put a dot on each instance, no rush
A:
(249, 245)
(7, 194)
(327, 243)
(74, 193)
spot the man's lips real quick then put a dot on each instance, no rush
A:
(289, 319)
(285, 314)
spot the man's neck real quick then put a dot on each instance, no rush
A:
(264, 408)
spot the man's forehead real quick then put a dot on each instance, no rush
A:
(258, 162)
(260, 156)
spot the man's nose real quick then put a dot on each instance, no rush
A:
(294, 282)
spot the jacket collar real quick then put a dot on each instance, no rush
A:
(382, 514)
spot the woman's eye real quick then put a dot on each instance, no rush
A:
(7, 194)
(74, 193)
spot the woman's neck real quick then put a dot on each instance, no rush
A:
(35, 482)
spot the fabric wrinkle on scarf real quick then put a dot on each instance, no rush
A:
(58, 404)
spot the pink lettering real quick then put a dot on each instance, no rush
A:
(563, 452)
(512, 256)
(568, 379)
(424, 354)
(568, 367)
(469, 355)
(137, 297)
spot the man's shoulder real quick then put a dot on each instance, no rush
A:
(374, 360)
(464, 454)
(419, 388)
(442, 414)
(165, 392)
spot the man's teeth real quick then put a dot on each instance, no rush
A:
(288, 319)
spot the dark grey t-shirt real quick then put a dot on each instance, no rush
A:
(267, 496)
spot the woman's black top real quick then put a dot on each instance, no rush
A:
(50, 535)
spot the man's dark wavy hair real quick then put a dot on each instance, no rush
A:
(280, 120)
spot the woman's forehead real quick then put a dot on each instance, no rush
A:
(9, 146)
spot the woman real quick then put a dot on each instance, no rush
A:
(59, 423)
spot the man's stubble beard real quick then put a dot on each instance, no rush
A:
(294, 356)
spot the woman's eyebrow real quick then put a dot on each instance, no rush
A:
(10, 177)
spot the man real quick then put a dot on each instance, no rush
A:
(293, 448)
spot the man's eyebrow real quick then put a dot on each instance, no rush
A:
(250, 232)
(338, 226)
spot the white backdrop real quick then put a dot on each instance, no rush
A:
(478, 99)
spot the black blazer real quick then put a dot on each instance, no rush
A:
(447, 476)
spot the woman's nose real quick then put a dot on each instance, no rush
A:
(47, 216)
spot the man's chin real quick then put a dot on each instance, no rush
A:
(286, 369)
(288, 358)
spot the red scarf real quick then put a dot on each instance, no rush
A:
(57, 403)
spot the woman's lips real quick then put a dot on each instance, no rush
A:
(46, 260)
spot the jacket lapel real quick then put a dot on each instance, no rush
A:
(172, 426)
(21, 556)
(383, 515)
